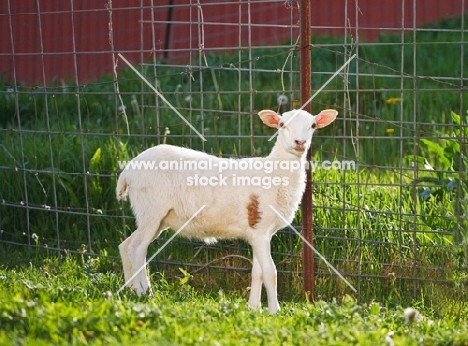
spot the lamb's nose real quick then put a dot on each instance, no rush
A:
(300, 143)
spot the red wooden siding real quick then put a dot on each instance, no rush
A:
(41, 40)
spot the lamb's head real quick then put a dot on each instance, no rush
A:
(296, 127)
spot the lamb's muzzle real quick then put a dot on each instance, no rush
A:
(236, 207)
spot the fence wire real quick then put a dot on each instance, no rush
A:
(393, 221)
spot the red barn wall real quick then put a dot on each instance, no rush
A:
(47, 39)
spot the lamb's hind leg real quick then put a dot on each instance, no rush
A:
(133, 252)
(126, 263)
(256, 285)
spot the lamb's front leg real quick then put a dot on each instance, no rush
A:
(256, 285)
(261, 250)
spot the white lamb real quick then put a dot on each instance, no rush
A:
(238, 202)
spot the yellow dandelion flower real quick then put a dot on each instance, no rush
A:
(389, 131)
(393, 100)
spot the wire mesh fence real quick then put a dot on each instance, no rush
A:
(389, 176)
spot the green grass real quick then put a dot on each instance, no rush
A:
(59, 148)
(75, 302)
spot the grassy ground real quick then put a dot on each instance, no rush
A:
(396, 232)
(75, 302)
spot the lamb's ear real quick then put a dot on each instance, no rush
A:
(325, 117)
(270, 118)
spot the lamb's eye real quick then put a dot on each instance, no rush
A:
(281, 124)
(314, 125)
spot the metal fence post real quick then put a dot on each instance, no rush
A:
(305, 85)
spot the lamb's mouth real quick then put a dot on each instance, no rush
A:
(299, 149)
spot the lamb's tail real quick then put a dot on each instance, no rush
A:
(122, 187)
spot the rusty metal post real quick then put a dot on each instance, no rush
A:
(305, 85)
